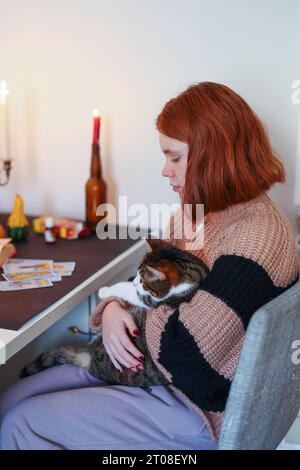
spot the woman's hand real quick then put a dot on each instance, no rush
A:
(117, 344)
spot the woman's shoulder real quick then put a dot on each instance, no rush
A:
(265, 236)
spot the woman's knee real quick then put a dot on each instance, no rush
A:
(5, 404)
(61, 377)
(10, 398)
(13, 426)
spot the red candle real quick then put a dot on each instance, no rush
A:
(96, 126)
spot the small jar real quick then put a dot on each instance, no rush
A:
(49, 235)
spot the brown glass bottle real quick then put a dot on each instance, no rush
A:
(95, 190)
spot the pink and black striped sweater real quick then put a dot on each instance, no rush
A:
(250, 251)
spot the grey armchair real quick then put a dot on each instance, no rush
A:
(264, 397)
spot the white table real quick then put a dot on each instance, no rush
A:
(121, 268)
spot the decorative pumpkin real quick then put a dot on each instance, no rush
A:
(17, 223)
(2, 232)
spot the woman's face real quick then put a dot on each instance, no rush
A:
(176, 153)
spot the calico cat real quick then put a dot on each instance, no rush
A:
(166, 275)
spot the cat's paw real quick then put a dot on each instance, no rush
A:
(104, 292)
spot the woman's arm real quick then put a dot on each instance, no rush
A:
(96, 317)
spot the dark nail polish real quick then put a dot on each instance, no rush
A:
(141, 358)
(136, 333)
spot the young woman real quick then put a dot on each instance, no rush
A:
(218, 154)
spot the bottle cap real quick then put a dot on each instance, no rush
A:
(49, 222)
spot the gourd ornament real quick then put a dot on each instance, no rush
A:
(17, 223)
(3, 234)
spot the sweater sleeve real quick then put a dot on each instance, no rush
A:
(197, 345)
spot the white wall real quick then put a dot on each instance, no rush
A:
(61, 58)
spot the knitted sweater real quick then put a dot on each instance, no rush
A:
(250, 251)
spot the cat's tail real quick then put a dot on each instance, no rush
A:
(80, 357)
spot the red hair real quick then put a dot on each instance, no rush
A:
(230, 158)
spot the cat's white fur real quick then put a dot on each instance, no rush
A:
(128, 291)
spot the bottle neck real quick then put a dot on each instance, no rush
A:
(96, 162)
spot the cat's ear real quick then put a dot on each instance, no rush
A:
(159, 275)
(156, 243)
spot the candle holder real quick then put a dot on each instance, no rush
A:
(6, 168)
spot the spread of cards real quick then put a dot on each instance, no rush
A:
(20, 274)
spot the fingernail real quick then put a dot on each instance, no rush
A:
(136, 332)
(140, 366)
(141, 358)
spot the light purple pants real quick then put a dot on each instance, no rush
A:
(64, 407)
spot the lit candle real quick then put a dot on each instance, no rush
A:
(4, 130)
(96, 126)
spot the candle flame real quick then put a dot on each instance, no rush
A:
(4, 91)
(96, 112)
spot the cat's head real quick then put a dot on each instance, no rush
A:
(167, 273)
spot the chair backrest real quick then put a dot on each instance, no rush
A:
(264, 397)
